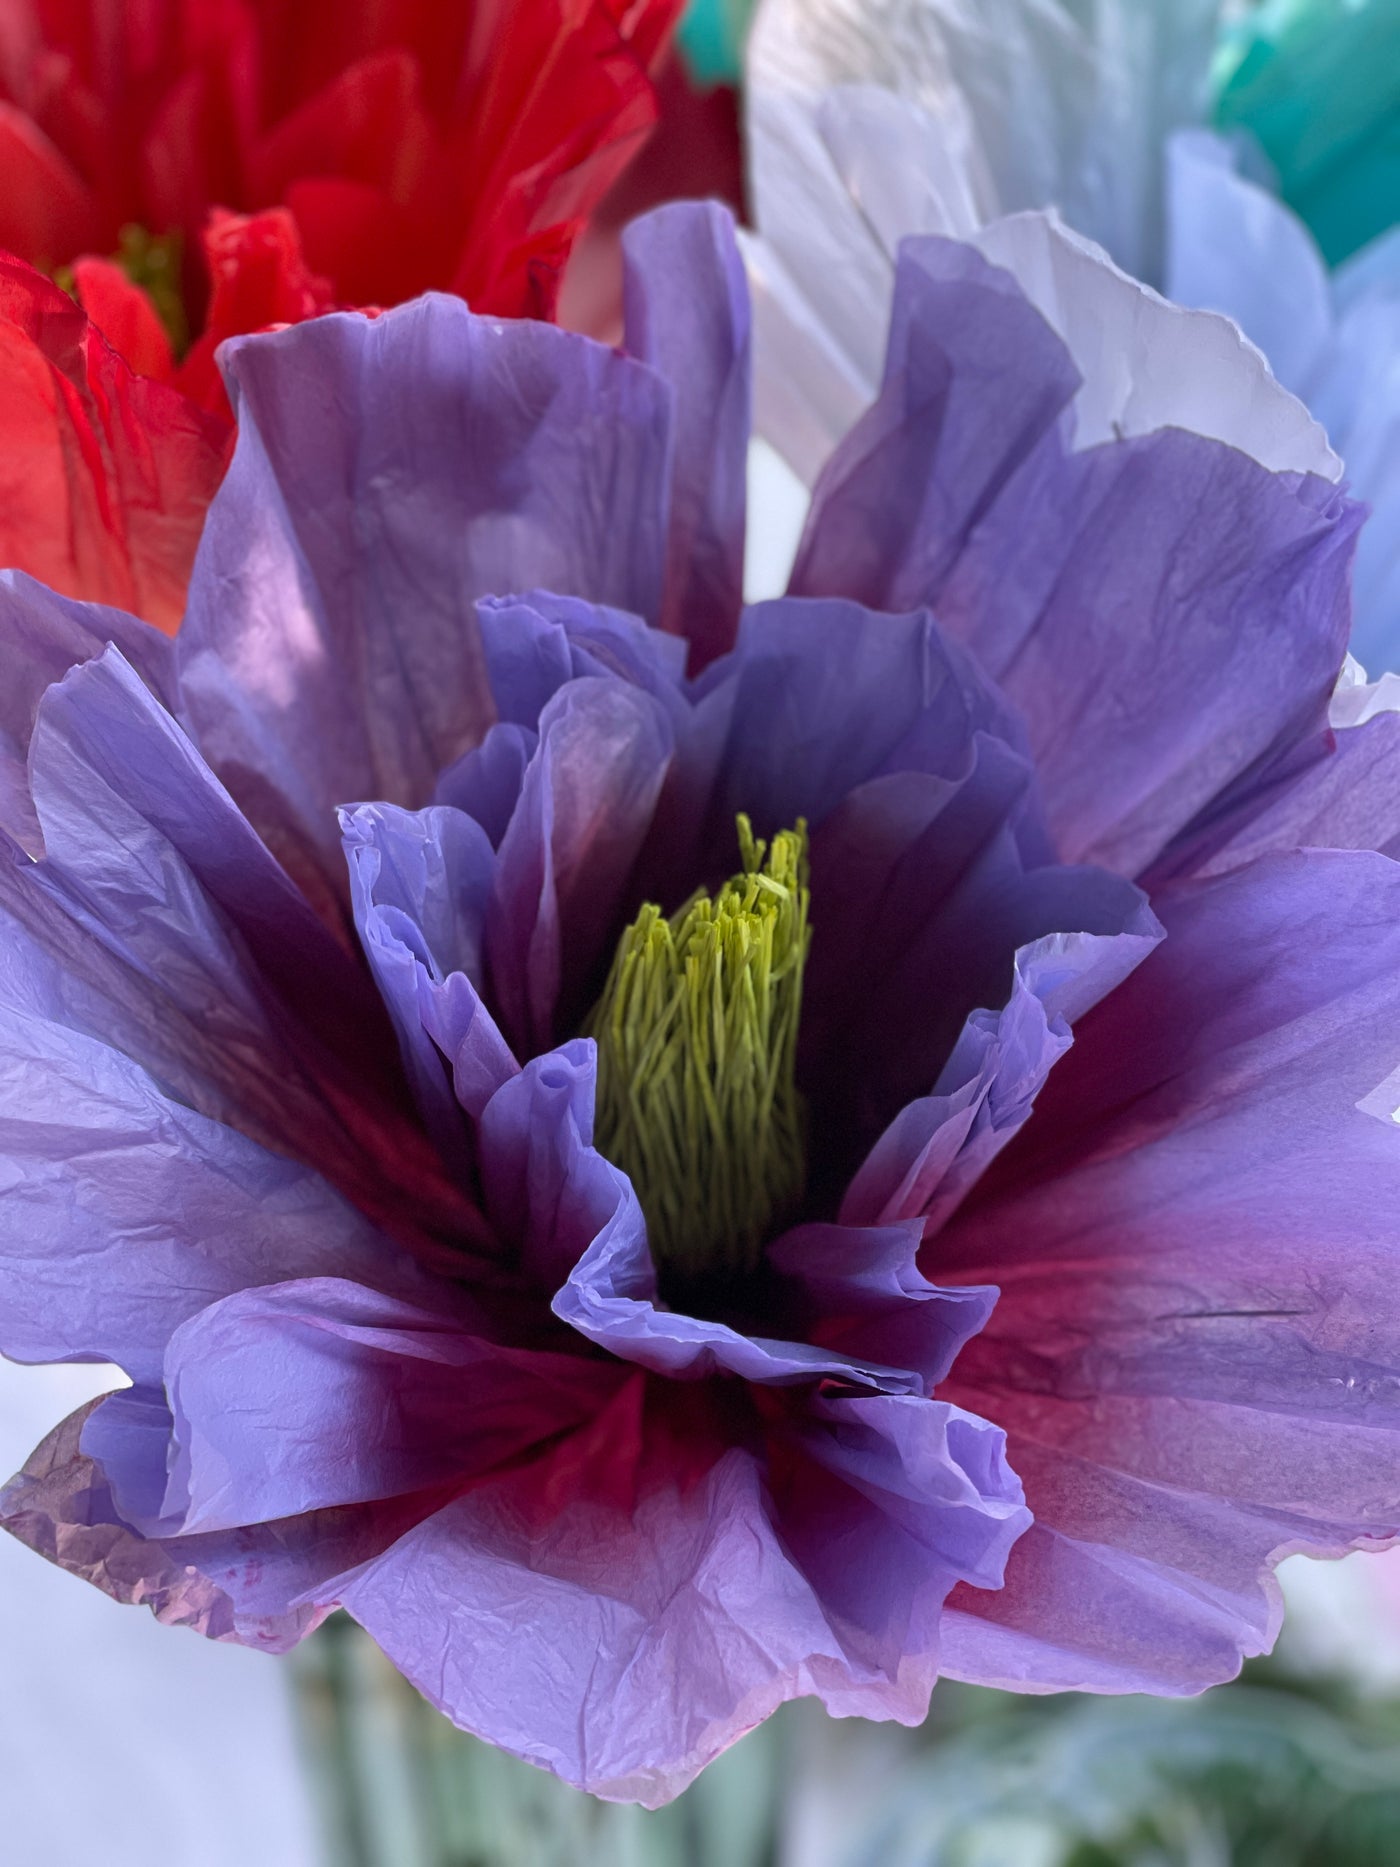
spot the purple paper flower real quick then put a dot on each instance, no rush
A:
(396, 1336)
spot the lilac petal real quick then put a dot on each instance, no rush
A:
(128, 1435)
(1194, 1352)
(419, 883)
(1132, 1586)
(914, 881)
(323, 1393)
(975, 386)
(919, 887)
(858, 1289)
(1347, 797)
(1167, 540)
(100, 733)
(43, 636)
(938, 1146)
(574, 1220)
(1049, 564)
(610, 1297)
(244, 1585)
(620, 1650)
(330, 649)
(122, 1213)
(536, 643)
(485, 783)
(558, 898)
(147, 852)
(622, 1645)
(686, 306)
(825, 695)
(938, 1477)
(548, 1191)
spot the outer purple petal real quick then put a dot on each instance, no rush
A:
(686, 306)
(1168, 615)
(324, 1393)
(42, 636)
(1195, 1352)
(122, 1213)
(330, 651)
(146, 852)
(975, 386)
(1214, 594)
(622, 1645)
(1346, 797)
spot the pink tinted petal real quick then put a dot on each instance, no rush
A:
(242, 1585)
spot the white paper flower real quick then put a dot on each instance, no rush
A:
(873, 119)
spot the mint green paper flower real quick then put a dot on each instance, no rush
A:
(1318, 83)
(711, 37)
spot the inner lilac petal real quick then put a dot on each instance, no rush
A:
(858, 1289)
(419, 885)
(558, 898)
(535, 644)
(919, 888)
(485, 783)
(548, 1191)
(825, 695)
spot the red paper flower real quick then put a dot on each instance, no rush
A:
(201, 168)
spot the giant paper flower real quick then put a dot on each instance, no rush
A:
(199, 170)
(550, 1210)
(1317, 83)
(873, 119)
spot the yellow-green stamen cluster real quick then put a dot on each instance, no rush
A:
(697, 1046)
